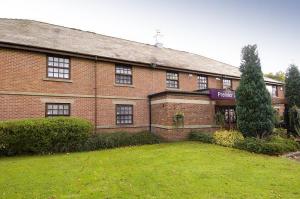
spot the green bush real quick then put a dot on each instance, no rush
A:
(281, 132)
(201, 136)
(118, 139)
(273, 146)
(227, 138)
(43, 135)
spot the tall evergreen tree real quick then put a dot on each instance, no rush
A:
(254, 107)
(292, 95)
(292, 86)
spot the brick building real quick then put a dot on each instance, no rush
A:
(48, 70)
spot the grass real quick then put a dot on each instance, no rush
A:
(173, 170)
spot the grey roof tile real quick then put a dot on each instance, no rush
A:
(39, 34)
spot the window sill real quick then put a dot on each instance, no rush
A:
(125, 126)
(124, 85)
(57, 80)
(173, 89)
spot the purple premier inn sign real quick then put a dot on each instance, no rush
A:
(221, 94)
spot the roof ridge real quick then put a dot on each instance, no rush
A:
(77, 29)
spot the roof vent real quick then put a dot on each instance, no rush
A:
(158, 39)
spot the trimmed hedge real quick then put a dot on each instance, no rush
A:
(227, 138)
(118, 139)
(272, 146)
(201, 136)
(43, 135)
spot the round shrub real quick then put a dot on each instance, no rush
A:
(227, 138)
(43, 135)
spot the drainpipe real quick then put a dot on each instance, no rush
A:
(95, 97)
(150, 114)
(153, 65)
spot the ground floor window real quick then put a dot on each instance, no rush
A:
(229, 113)
(124, 114)
(57, 109)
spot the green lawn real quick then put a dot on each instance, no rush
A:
(173, 170)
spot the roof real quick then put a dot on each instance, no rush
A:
(44, 35)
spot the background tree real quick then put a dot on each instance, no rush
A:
(292, 86)
(292, 95)
(254, 107)
(294, 121)
(280, 76)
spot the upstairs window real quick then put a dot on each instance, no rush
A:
(202, 82)
(172, 80)
(57, 109)
(123, 74)
(227, 84)
(272, 90)
(58, 67)
(124, 114)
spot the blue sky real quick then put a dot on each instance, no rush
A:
(214, 28)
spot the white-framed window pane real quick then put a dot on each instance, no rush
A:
(124, 114)
(60, 66)
(123, 74)
(57, 109)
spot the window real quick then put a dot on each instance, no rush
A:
(124, 114)
(226, 83)
(272, 90)
(58, 67)
(229, 113)
(172, 80)
(57, 109)
(123, 74)
(202, 82)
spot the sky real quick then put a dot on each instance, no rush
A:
(216, 29)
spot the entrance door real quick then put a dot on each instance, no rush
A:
(229, 115)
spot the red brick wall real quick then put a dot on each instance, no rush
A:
(26, 71)
(18, 107)
(23, 74)
(196, 116)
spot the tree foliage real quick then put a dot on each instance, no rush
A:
(292, 86)
(294, 120)
(280, 76)
(254, 107)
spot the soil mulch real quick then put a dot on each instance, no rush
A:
(294, 156)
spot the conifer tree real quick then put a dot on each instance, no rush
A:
(292, 95)
(254, 107)
(292, 86)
